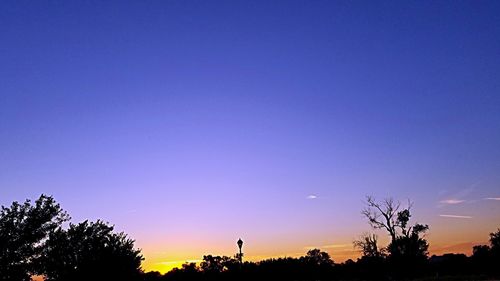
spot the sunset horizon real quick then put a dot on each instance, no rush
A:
(188, 125)
(173, 253)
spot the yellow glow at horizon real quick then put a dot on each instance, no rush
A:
(163, 267)
(339, 253)
(446, 236)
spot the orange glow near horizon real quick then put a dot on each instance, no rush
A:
(189, 125)
(339, 253)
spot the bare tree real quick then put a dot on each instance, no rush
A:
(368, 245)
(406, 240)
(389, 216)
(382, 215)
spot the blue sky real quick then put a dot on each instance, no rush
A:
(190, 123)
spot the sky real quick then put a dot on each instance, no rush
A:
(190, 124)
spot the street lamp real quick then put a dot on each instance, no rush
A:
(240, 244)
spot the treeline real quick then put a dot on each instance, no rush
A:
(36, 238)
(317, 265)
(405, 257)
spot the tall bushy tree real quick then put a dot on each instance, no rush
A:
(24, 229)
(91, 251)
(316, 257)
(486, 258)
(410, 247)
(495, 243)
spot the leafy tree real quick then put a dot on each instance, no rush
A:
(190, 267)
(411, 248)
(480, 252)
(495, 251)
(91, 251)
(152, 276)
(495, 243)
(317, 258)
(315, 265)
(230, 263)
(217, 264)
(212, 264)
(24, 229)
(188, 271)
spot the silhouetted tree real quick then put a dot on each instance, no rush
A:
(383, 215)
(231, 263)
(495, 243)
(481, 258)
(318, 258)
(368, 245)
(90, 251)
(190, 267)
(486, 259)
(372, 264)
(152, 276)
(495, 252)
(481, 252)
(188, 271)
(317, 265)
(23, 231)
(449, 264)
(404, 238)
(212, 264)
(33, 241)
(411, 248)
(408, 249)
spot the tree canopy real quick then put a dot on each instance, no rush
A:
(33, 241)
(24, 229)
(36, 239)
(90, 251)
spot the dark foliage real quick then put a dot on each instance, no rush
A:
(486, 259)
(34, 241)
(90, 251)
(495, 243)
(315, 265)
(368, 245)
(24, 229)
(408, 250)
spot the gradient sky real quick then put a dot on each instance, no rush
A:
(189, 124)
